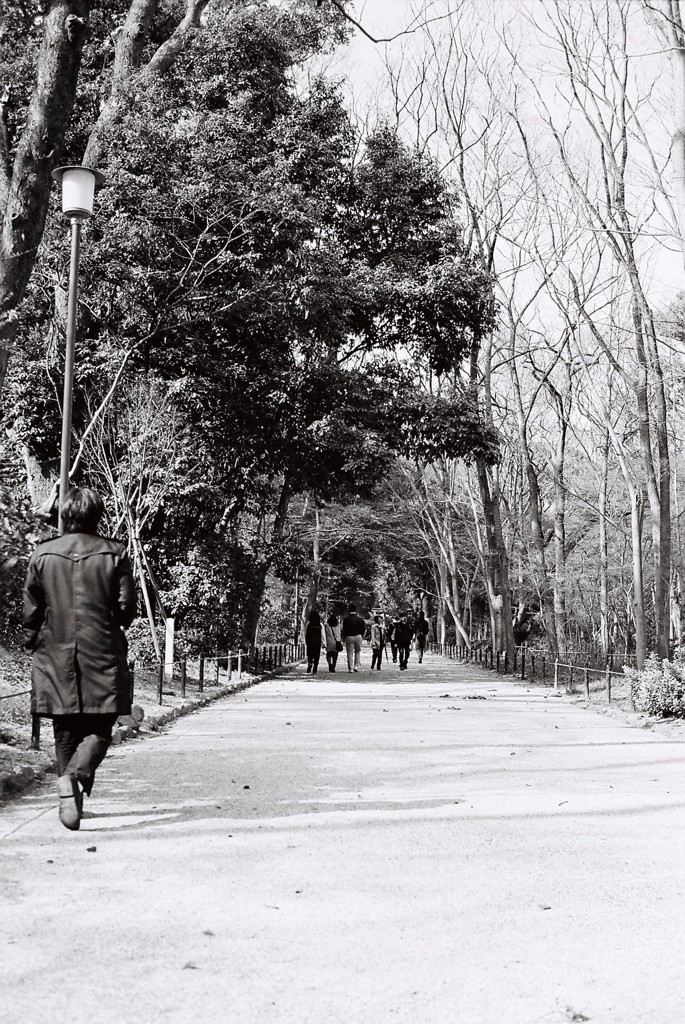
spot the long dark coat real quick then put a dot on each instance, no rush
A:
(79, 596)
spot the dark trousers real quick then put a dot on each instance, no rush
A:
(403, 651)
(421, 645)
(376, 657)
(313, 650)
(332, 659)
(393, 650)
(81, 742)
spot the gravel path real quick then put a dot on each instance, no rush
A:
(433, 847)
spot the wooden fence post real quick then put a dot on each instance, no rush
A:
(608, 685)
(183, 678)
(556, 673)
(201, 677)
(230, 665)
(132, 679)
(160, 681)
(240, 664)
(523, 663)
(587, 681)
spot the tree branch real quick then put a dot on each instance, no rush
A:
(167, 53)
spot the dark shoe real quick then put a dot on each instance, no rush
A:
(70, 802)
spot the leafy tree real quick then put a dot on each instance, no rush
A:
(273, 286)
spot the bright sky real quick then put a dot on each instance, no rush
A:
(361, 63)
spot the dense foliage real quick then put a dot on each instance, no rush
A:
(303, 310)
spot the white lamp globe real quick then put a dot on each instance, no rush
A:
(78, 189)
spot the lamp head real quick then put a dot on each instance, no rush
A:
(78, 189)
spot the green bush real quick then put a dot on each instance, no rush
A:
(658, 688)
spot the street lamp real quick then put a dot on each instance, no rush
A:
(78, 190)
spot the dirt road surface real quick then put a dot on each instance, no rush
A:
(432, 847)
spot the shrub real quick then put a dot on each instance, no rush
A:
(140, 645)
(658, 688)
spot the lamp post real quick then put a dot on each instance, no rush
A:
(78, 190)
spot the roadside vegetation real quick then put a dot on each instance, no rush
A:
(427, 356)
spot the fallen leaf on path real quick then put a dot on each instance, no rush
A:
(190, 967)
(575, 1015)
(91, 849)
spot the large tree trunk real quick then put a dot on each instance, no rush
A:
(603, 549)
(676, 32)
(560, 539)
(315, 578)
(25, 187)
(496, 562)
(256, 596)
(638, 584)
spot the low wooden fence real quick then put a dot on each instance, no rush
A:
(219, 669)
(209, 670)
(535, 666)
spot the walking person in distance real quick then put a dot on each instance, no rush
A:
(333, 641)
(377, 642)
(403, 638)
(421, 633)
(390, 635)
(79, 596)
(353, 628)
(314, 637)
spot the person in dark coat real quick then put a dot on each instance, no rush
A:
(79, 596)
(390, 635)
(421, 633)
(403, 638)
(313, 638)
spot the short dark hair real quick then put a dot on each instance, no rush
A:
(81, 510)
(353, 607)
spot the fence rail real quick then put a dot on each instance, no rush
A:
(209, 670)
(532, 665)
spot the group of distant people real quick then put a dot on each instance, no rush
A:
(334, 637)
